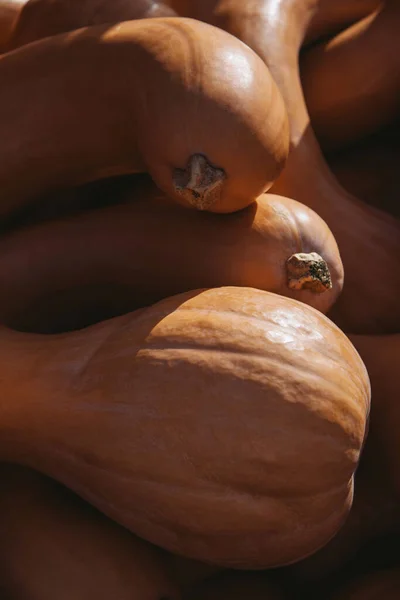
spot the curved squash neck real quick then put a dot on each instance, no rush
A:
(275, 30)
(276, 33)
(38, 376)
(61, 123)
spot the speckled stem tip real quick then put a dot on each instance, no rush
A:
(308, 272)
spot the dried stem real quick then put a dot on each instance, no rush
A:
(308, 272)
(200, 183)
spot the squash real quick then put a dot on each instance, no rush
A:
(168, 78)
(224, 425)
(233, 585)
(373, 517)
(332, 17)
(55, 546)
(9, 12)
(351, 83)
(275, 29)
(94, 265)
(369, 170)
(377, 484)
(372, 586)
(329, 18)
(37, 19)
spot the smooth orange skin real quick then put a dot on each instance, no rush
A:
(328, 18)
(351, 83)
(223, 425)
(169, 76)
(374, 513)
(77, 270)
(33, 20)
(53, 545)
(369, 240)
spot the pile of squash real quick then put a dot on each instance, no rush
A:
(200, 275)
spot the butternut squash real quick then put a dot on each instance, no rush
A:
(169, 76)
(275, 29)
(373, 517)
(233, 585)
(351, 83)
(372, 586)
(36, 19)
(223, 425)
(55, 546)
(377, 484)
(329, 18)
(78, 270)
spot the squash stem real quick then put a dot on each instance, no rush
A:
(200, 183)
(308, 271)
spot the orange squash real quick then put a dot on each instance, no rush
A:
(369, 240)
(77, 128)
(373, 516)
(233, 585)
(351, 83)
(377, 484)
(372, 586)
(329, 18)
(223, 425)
(55, 546)
(84, 268)
(35, 19)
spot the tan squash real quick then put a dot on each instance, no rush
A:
(223, 425)
(78, 270)
(369, 240)
(351, 83)
(55, 546)
(36, 19)
(369, 170)
(372, 586)
(233, 585)
(167, 78)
